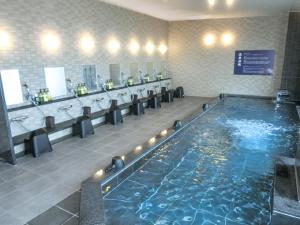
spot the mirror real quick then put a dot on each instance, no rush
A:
(89, 77)
(134, 71)
(150, 70)
(164, 69)
(56, 81)
(114, 71)
(12, 87)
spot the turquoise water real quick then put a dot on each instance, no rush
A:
(219, 170)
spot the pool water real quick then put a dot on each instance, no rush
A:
(218, 170)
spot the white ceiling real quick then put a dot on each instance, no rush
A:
(199, 9)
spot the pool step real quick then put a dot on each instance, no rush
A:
(285, 188)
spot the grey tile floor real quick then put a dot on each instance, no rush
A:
(35, 185)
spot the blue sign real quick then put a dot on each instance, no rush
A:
(254, 62)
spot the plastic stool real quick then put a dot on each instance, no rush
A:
(86, 127)
(40, 143)
(179, 92)
(114, 116)
(137, 107)
(153, 101)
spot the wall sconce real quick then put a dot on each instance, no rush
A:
(227, 39)
(51, 41)
(162, 49)
(209, 40)
(5, 40)
(134, 47)
(211, 3)
(87, 43)
(150, 48)
(113, 45)
(229, 3)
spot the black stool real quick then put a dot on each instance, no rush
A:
(39, 143)
(114, 116)
(179, 92)
(137, 107)
(83, 127)
(153, 100)
(167, 95)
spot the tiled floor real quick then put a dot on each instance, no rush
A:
(35, 185)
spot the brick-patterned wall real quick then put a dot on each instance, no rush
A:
(209, 71)
(26, 20)
(291, 68)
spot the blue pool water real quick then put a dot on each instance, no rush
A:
(219, 170)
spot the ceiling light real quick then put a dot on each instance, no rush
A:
(113, 45)
(51, 41)
(134, 47)
(209, 40)
(162, 49)
(87, 43)
(5, 40)
(150, 48)
(227, 39)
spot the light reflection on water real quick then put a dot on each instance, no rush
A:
(218, 171)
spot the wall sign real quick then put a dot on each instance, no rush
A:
(254, 62)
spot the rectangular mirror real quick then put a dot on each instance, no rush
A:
(114, 71)
(89, 76)
(12, 87)
(150, 69)
(164, 69)
(134, 71)
(56, 81)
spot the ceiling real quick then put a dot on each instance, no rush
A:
(200, 9)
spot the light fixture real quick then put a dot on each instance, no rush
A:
(87, 43)
(139, 148)
(113, 45)
(100, 172)
(5, 40)
(162, 48)
(227, 39)
(134, 47)
(164, 133)
(51, 41)
(229, 2)
(150, 47)
(123, 157)
(209, 40)
(152, 140)
(211, 3)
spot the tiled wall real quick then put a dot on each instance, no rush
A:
(208, 71)
(26, 20)
(291, 68)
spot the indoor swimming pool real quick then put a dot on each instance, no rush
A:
(217, 170)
